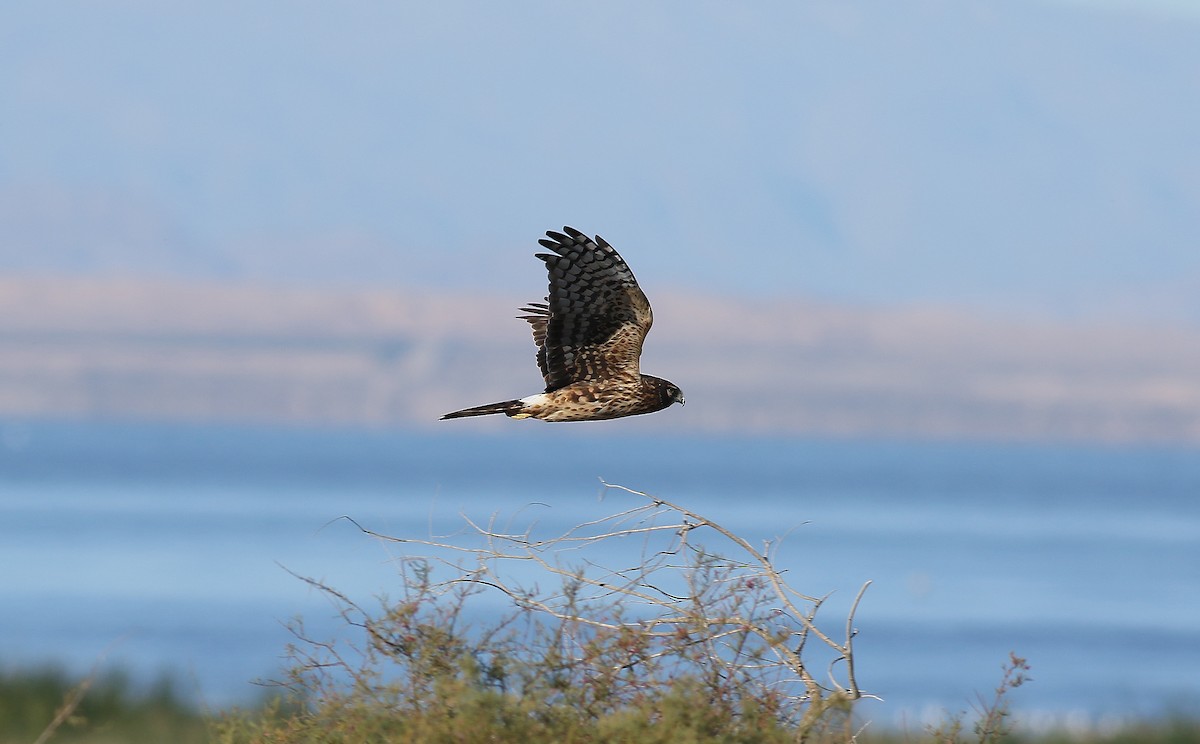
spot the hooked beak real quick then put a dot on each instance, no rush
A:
(681, 400)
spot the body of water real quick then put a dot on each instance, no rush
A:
(169, 548)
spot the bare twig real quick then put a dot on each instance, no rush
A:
(74, 697)
(729, 620)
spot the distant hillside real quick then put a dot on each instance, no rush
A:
(1005, 155)
(165, 350)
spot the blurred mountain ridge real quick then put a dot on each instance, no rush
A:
(228, 351)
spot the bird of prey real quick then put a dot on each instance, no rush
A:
(589, 335)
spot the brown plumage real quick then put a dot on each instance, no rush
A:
(589, 335)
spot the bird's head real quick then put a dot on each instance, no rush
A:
(675, 394)
(668, 392)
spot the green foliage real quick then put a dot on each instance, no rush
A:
(425, 675)
(1171, 731)
(683, 645)
(680, 645)
(95, 710)
(993, 724)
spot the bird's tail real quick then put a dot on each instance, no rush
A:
(508, 408)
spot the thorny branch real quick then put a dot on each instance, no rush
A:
(687, 604)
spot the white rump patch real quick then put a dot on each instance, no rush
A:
(534, 400)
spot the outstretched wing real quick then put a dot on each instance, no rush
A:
(595, 317)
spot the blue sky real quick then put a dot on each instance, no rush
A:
(1024, 157)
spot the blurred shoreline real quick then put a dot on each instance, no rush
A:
(238, 352)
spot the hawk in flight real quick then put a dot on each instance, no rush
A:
(589, 335)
